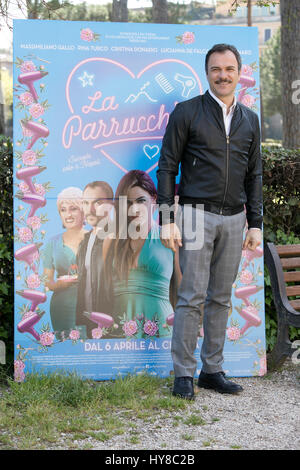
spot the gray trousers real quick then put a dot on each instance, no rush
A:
(207, 277)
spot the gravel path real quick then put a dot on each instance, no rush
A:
(265, 416)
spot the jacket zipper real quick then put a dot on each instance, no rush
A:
(227, 169)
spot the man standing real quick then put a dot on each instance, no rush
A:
(89, 257)
(217, 142)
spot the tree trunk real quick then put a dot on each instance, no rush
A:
(32, 9)
(119, 11)
(290, 66)
(159, 11)
(249, 12)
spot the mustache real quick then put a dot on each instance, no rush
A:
(222, 81)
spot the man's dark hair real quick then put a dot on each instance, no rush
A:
(104, 186)
(223, 48)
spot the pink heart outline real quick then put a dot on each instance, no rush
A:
(126, 69)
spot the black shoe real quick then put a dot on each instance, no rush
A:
(184, 388)
(218, 382)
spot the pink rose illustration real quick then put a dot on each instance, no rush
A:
(33, 281)
(36, 110)
(188, 37)
(19, 365)
(248, 100)
(39, 188)
(29, 157)
(25, 234)
(246, 277)
(150, 328)
(87, 35)
(26, 98)
(263, 366)
(27, 314)
(19, 375)
(34, 222)
(130, 328)
(28, 66)
(233, 333)
(253, 310)
(23, 187)
(47, 338)
(74, 335)
(97, 333)
(247, 70)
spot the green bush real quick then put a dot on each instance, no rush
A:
(6, 246)
(281, 193)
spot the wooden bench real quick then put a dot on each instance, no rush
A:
(283, 262)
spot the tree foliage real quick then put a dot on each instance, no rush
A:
(270, 74)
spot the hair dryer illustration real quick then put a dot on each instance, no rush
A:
(188, 84)
(26, 325)
(35, 296)
(251, 319)
(26, 174)
(102, 319)
(37, 131)
(29, 254)
(28, 79)
(251, 254)
(246, 82)
(34, 200)
(245, 292)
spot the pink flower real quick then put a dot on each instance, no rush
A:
(33, 281)
(39, 188)
(233, 333)
(28, 66)
(25, 234)
(29, 157)
(26, 98)
(86, 34)
(47, 338)
(188, 37)
(263, 366)
(130, 328)
(248, 100)
(34, 222)
(19, 365)
(19, 375)
(36, 110)
(150, 328)
(74, 335)
(23, 187)
(97, 333)
(247, 70)
(246, 277)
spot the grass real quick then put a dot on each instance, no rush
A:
(47, 409)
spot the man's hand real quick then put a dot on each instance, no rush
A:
(253, 239)
(170, 236)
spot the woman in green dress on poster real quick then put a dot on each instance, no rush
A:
(59, 258)
(140, 274)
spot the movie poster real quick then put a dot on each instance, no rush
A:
(91, 104)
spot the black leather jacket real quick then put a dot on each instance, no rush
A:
(215, 169)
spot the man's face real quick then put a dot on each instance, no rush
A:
(93, 198)
(222, 74)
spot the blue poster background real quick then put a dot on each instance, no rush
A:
(95, 107)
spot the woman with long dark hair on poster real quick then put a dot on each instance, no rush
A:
(60, 267)
(140, 274)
